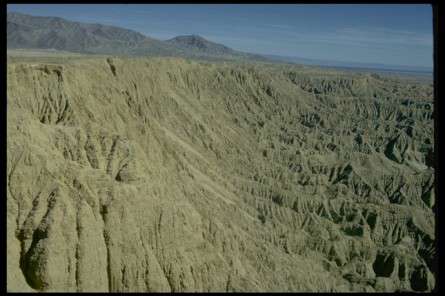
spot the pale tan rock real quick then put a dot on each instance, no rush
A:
(156, 174)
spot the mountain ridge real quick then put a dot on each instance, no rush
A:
(198, 42)
(41, 32)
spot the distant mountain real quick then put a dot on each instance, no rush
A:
(198, 43)
(26, 31)
(37, 32)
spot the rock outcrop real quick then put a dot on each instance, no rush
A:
(173, 175)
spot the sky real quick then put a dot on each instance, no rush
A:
(384, 34)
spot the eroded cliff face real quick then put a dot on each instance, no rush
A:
(170, 175)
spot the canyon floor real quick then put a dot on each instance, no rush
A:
(166, 174)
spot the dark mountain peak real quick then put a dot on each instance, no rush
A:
(192, 40)
(194, 37)
(189, 37)
(197, 42)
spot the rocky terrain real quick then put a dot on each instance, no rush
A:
(164, 174)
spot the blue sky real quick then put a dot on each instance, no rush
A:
(384, 34)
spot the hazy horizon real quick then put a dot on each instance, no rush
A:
(364, 34)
